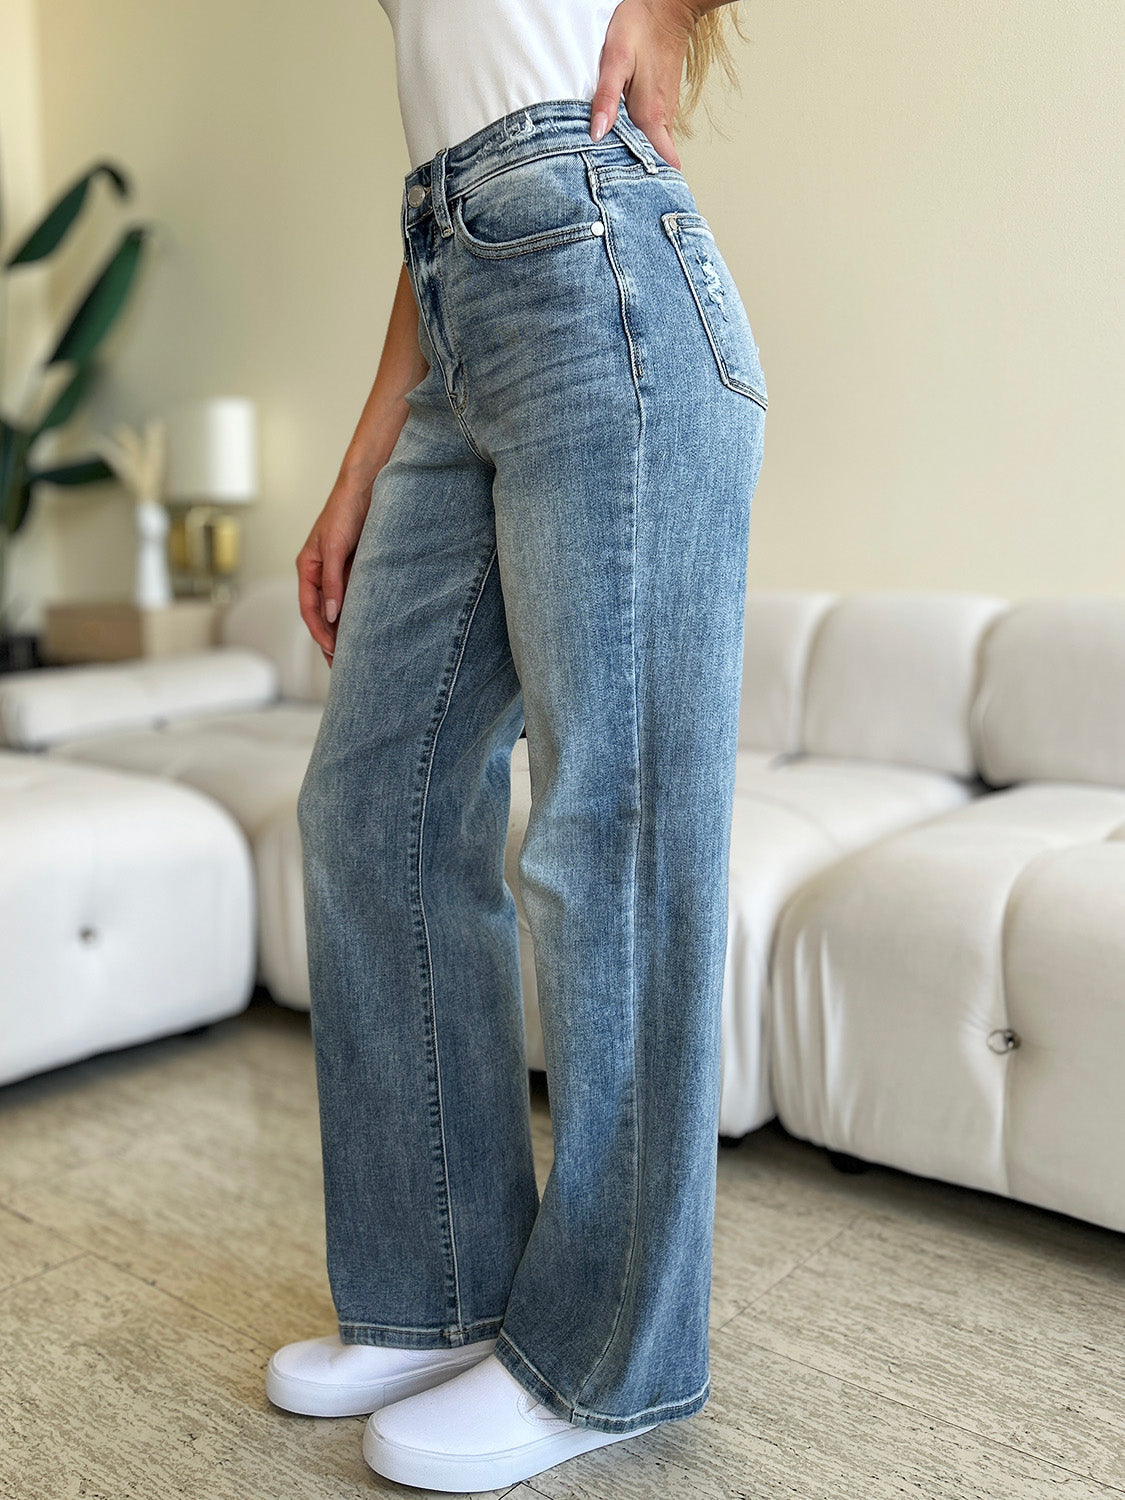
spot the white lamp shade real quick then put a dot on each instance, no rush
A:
(213, 451)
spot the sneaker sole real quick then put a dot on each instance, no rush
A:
(313, 1398)
(489, 1471)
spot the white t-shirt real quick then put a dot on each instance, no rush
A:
(464, 63)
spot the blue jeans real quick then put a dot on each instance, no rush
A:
(559, 539)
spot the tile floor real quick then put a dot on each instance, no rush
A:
(872, 1336)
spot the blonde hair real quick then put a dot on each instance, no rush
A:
(707, 45)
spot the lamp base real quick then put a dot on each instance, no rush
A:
(205, 553)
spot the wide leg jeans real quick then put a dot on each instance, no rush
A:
(558, 540)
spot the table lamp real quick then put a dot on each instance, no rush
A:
(212, 465)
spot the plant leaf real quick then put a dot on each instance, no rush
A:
(49, 233)
(69, 398)
(14, 443)
(21, 507)
(16, 480)
(79, 471)
(102, 302)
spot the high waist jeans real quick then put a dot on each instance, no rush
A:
(559, 539)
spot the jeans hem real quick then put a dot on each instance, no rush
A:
(390, 1336)
(521, 1369)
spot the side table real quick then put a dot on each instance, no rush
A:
(111, 631)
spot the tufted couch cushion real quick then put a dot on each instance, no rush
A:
(126, 911)
(891, 677)
(898, 970)
(39, 708)
(789, 822)
(252, 766)
(778, 633)
(250, 763)
(1051, 700)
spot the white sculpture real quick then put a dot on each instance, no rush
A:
(139, 463)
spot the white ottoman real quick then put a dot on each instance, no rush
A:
(126, 911)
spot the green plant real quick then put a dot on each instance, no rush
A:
(41, 411)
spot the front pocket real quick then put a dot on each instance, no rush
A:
(719, 305)
(530, 206)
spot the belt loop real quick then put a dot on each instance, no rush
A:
(437, 193)
(636, 140)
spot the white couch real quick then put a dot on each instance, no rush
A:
(950, 1000)
(871, 861)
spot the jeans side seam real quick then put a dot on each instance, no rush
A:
(635, 367)
(638, 803)
(426, 952)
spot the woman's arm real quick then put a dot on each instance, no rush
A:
(324, 562)
(643, 57)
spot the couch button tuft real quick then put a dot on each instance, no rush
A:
(1004, 1039)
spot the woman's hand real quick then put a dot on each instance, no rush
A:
(643, 57)
(324, 563)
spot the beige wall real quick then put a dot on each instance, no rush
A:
(23, 320)
(921, 204)
(21, 182)
(925, 209)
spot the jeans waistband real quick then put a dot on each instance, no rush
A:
(546, 128)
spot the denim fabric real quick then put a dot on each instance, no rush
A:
(559, 538)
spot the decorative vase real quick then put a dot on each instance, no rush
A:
(153, 585)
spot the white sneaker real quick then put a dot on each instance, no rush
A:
(479, 1431)
(327, 1378)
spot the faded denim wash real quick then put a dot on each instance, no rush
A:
(559, 538)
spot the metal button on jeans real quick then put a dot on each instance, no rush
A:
(416, 194)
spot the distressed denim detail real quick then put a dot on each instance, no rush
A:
(724, 318)
(558, 542)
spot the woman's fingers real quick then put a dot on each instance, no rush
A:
(324, 566)
(310, 595)
(615, 69)
(335, 549)
(659, 133)
(643, 58)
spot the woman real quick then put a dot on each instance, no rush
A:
(542, 519)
